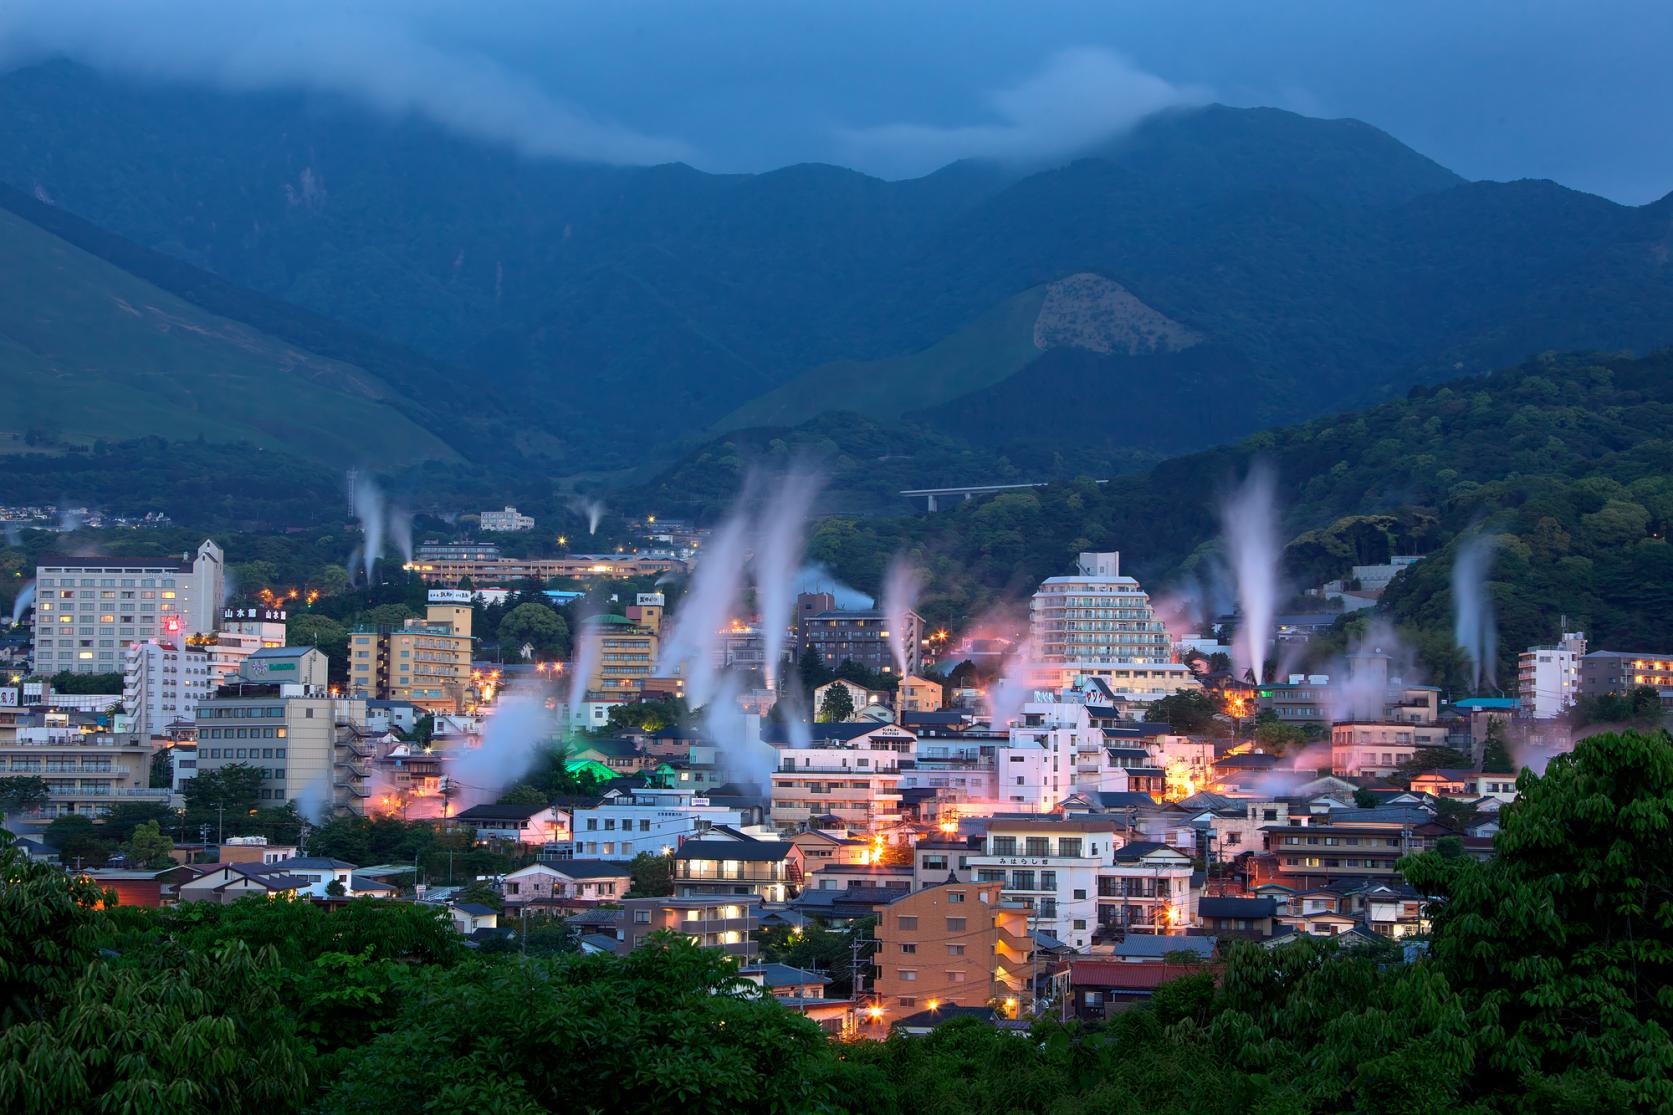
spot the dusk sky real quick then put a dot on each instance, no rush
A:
(1577, 92)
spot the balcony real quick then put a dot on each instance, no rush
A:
(354, 790)
(357, 745)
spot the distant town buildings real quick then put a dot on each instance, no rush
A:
(509, 520)
(510, 571)
(89, 608)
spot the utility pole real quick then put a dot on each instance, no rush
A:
(220, 822)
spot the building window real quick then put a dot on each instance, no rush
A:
(907, 923)
(955, 950)
(908, 948)
(956, 896)
(909, 975)
(955, 925)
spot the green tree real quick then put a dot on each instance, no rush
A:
(387, 615)
(1562, 944)
(837, 705)
(202, 1033)
(525, 794)
(329, 580)
(1366, 799)
(1434, 758)
(234, 788)
(23, 794)
(536, 625)
(1277, 737)
(812, 671)
(653, 876)
(1495, 755)
(149, 847)
(48, 933)
(310, 629)
(77, 839)
(481, 893)
(1190, 712)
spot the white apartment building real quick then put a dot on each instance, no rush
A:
(88, 608)
(162, 683)
(1100, 624)
(508, 520)
(1051, 866)
(1036, 767)
(1548, 678)
(648, 820)
(851, 771)
(1146, 889)
(85, 772)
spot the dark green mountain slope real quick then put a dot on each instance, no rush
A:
(89, 351)
(1332, 265)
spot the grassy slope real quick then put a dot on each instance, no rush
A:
(88, 350)
(991, 348)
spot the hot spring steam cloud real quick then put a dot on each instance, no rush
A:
(1250, 525)
(1473, 626)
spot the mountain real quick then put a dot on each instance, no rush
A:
(1568, 460)
(89, 351)
(1295, 267)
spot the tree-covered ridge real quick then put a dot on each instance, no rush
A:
(1568, 459)
(1325, 263)
(1544, 988)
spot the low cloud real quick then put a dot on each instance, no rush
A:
(372, 54)
(1080, 97)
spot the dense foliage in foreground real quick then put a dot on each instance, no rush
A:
(1546, 989)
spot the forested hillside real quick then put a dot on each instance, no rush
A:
(1277, 265)
(1569, 459)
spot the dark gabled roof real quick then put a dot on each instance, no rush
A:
(1120, 754)
(1236, 907)
(1138, 849)
(310, 863)
(614, 748)
(1248, 760)
(933, 1018)
(474, 909)
(499, 811)
(587, 868)
(754, 851)
(783, 975)
(843, 731)
(1121, 799)
(1159, 945)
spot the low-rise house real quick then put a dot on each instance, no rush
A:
(525, 824)
(841, 876)
(1147, 889)
(1317, 925)
(782, 981)
(469, 917)
(567, 881)
(1395, 911)
(1237, 917)
(1156, 948)
(142, 886)
(321, 872)
(226, 883)
(1100, 987)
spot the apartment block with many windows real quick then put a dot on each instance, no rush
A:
(89, 608)
(958, 944)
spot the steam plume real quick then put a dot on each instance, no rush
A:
(400, 532)
(520, 728)
(1474, 628)
(1249, 522)
(592, 509)
(1006, 698)
(708, 605)
(25, 598)
(782, 533)
(581, 667)
(900, 596)
(368, 508)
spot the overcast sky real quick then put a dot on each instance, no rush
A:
(1578, 92)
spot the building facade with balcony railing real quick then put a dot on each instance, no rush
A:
(85, 772)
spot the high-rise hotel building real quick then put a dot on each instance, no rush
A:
(1100, 624)
(88, 608)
